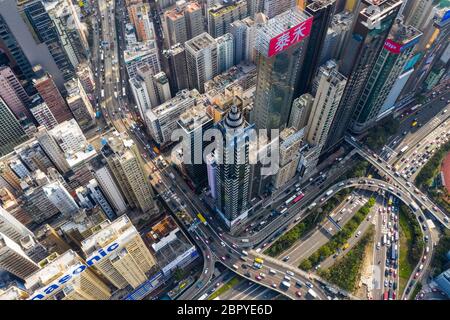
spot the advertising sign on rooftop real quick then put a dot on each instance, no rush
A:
(288, 38)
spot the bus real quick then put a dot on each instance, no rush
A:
(203, 297)
(298, 198)
(288, 201)
(402, 150)
(414, 206)
(102, 93)
(202, 219)
(283, 211)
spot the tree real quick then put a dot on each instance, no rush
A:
(306, 265)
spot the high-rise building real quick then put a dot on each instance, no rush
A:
(51, 239)
(126, 164)
(139, 15)
(13, 93)
(194, 123)
(220, 16)
(44, 117)
(86, 77)
(140, 94)
(326, 103)
(142, 53)
(301, 109)
(108, 185)
(361, 52)
(61, 198)
(233, 169)
(273, 8)
(34, 157)
(52, 149)
(225, 52)
(13, 50)
(282, 44)
(390, 64)
(290, 141)
(13, 205)
(418, 13)
(79, 104)
(34, 250)
(162, 87)
(175, 60)
(243, 32)
(322, 12)
(68, 25)
(44, 84)
(201, 57)
(14, 260)
(100, 199)
(10, 178)
(80, 281)
(47, 32)
(11, 227)
(183, 22)
(162, 120)
(129, 263)
(11, 132)
(13, 293)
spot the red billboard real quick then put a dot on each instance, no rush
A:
(392, 46)
(290, 37)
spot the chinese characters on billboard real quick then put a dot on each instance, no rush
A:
(290, 37)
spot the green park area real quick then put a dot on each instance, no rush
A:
(306, 225)
(227, 286)
(377, 137)
(429, 172)
(347, 271)
(410, 243)
(339, 239)
(439, 260)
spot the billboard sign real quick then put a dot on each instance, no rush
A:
(397, 48)
(288, 38)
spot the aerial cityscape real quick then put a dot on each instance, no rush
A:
(224, 150)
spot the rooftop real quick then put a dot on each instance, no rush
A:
(200, 42)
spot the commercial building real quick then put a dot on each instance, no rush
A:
(290, 141)
(44, 117)
(61, 198)
(243, 32)
(139, 54)
(46, 87)
(86, 77)
(10, 226)
(361, 52)
(175, 60)
(194, 122)
(14, 260)
(126, 164)
(13, 93)
(140, 17)
(282, 44)
(232, 158)
(11, 132)
(81, 282)
(201, 57)
(52, 149)
(13, 205)
(171, 248)
(225, 52)
(130, 263)
(95, 192)
(322, 12)
(162, 120)
(183, 22)
(418, 13)
(391, 62)
(79, 104)
(47, 32)
(221, 15)
(273, 8)
(300, 111)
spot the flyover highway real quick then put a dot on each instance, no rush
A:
(415, 194)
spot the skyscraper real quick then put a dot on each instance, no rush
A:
(418, 13)
(47, 32)
(322, 12)
(81, 282)
(362, 50)
(14, 260)
(11, 227)
(194, 122)
(201, 57)
(183, 22)
(131, 261)
(301, 109)
(99, 197)
(47, 89)
(61, 199)
(233, 169)
(13, 93)
(52, 149)
(11, 132)
(281, 44)
(126, 164)
(273, 8)
(225, 52)
(390, 64)
(175, 60)
(44, 117)
(223, 14)
(326, 103)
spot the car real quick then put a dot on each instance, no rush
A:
(309, 285)
(207, 256)
(206, 270)
(386, 283)
(262, 275)
(416, 275)
(274, 285)
(386, 272)
(286, 258)
(298, 294)
(358, 234)
(258, 277)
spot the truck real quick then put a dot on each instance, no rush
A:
(171, 175)
(414, 206)
(102, 93)
(244, 240)
(285, 284)
(124, 92)
(329, 193)
(403, 150)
